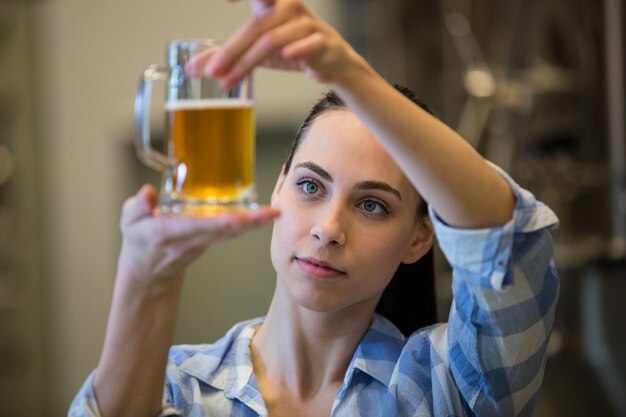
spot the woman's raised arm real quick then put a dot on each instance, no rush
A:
(156, 251)
(462, 188)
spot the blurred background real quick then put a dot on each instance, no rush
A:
(536, 86)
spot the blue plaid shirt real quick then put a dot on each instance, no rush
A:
(488, 360)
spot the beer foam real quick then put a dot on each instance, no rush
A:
(208, 103)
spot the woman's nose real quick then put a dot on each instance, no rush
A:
(329, 227)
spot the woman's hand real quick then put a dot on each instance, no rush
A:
(283, 34)
(156, 250)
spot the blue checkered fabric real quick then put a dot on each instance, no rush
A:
(487, 360)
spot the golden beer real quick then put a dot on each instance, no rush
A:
(212, 144)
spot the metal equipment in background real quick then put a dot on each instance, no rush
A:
(537, 87)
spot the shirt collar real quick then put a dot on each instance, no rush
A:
(378, 352)
(226, 365)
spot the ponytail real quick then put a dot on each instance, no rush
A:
(409, 299)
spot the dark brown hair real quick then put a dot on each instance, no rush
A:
(409, 299)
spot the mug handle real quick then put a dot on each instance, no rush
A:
(148, 155)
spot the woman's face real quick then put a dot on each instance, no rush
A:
(348, 218)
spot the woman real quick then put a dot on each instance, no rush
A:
(346, 215)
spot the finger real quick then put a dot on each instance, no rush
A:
(195, 66)
(245, 37)
(220, 62)
(234, 222)
(140, 205)
(195, 245)
(171, 229)
(261, 7)
(268, 44)
(304, 48)
(260, 216)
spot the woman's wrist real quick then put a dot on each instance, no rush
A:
(351, 78)
(139, 282)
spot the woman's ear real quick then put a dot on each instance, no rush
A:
(422, 241)
(279, 185)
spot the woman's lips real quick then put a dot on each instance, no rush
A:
(317, 268)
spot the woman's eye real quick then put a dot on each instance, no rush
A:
(374, 207)
(310, 187)
(370, 206)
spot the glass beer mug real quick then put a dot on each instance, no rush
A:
(209, 166)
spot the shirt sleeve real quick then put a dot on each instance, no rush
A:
(505, 289)
(85, 404)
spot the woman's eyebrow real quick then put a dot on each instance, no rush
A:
(363, 185)
(315, 168)
(377, 185)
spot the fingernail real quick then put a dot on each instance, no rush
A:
(212, 69)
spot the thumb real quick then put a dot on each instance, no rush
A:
(138, 206)
(261, 7)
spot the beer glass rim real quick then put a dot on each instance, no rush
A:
(186, 43)
(180, 50)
